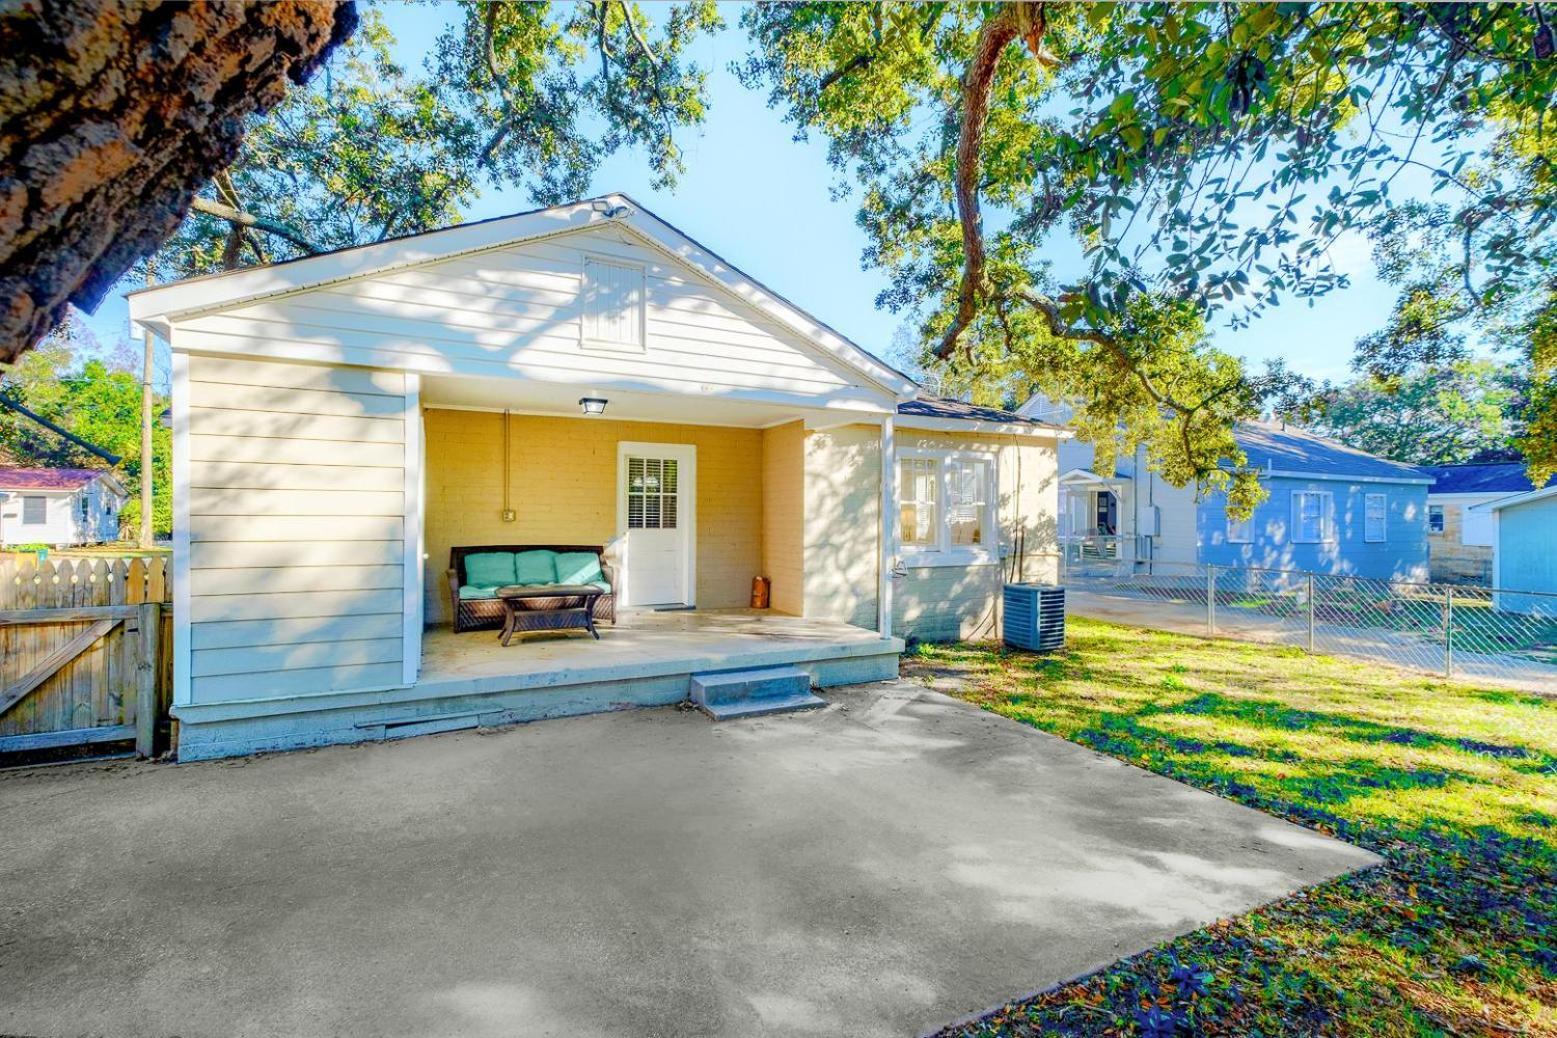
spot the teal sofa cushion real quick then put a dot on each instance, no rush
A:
(471, 592)
(535, 567)
(490, 568)
(579, 567)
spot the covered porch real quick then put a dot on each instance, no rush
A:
(646, 658)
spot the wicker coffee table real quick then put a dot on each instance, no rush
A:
(548, 607)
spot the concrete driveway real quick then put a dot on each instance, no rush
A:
(880, 867)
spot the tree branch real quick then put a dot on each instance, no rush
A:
(994, 36)
(7, 401)
(259, 223)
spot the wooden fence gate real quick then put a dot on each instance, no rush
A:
(83, 652)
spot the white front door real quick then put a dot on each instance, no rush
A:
(656, 502)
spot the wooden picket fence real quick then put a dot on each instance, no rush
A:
(85, 652)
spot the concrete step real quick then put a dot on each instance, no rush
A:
(748, 693)
(760, 707)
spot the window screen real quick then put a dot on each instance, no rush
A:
(1376, 518)
(35, 511)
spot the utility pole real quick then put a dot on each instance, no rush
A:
(148, 531)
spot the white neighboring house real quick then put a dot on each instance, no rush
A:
(59, 507)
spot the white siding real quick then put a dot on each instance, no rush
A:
(296, 518)
(518, 311)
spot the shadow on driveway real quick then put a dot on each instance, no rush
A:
(880, 867)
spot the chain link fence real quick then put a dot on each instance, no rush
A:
(1509, 637)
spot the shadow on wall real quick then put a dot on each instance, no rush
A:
(841, 521)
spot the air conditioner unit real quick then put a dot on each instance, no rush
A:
(1034, 617)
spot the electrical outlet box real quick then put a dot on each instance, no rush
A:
(509, 515)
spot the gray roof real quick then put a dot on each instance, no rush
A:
(942, 407)
(1499, 477)
(1271, 445)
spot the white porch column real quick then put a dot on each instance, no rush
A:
(889, 533)
(415, 509)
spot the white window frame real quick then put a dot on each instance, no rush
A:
(42, 501)
(589, 342)
(1326, 533)
(1240, 531)
(942, 552)
(1368, 501)
(1443, 519)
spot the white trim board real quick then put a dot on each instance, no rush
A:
(1330, 477)
(182, 654)
(414, 546)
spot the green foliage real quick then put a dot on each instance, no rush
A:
(534, 95)
(1208, 157)
(1454, 786)
(1467, 411)
(96, 400)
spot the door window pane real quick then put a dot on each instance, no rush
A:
(652, 494)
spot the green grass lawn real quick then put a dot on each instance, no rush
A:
(1454, 785)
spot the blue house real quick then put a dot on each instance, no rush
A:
(1331, 509)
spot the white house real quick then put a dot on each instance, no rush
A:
(541, 388)
(59, 507)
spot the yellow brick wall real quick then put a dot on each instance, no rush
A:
(1452, 561)
(783, 497)
(563, 480)
(843, 502)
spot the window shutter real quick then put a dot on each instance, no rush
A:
(613, 303)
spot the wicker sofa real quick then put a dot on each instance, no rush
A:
(476, 572)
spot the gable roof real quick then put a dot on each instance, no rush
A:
(158, 307)
(1520, 499)
(1498, 477)
(944, 407)
(1292, 451)
(47, 479)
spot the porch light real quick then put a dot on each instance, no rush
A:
(592, 404)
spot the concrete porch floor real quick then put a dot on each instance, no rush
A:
(878, 867)
(643, 645)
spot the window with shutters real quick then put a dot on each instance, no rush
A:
(1375, 518)
(652, 494)
(613, 305)
(35, 511)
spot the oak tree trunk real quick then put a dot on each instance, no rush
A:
(112, 114)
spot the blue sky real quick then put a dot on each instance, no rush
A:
(763, 201)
